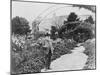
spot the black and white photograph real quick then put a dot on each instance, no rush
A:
(52, 37)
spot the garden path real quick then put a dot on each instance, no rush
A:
(74, 61)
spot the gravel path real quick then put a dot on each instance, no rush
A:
(74, 61)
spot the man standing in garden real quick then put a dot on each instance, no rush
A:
(48, 50)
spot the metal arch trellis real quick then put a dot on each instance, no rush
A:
(60, 8)
(48, 13)
(55, 10)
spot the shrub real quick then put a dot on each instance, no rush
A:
(90, 52)
(31, 59)
(20, 26)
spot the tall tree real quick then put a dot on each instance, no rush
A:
(20, 26)
(69, 24)
(72, 17)
(90, 20)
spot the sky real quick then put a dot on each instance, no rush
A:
(31, 11)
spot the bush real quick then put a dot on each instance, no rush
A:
(31, 59)
(90, 52)
(20, 26)
(64, 47)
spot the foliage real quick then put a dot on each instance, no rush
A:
(90, 20)
(90, 52)
(63, 47)
(72, 17)
(70, 24)
(75, 29)
(20, 26)
(29, 56)
(27, 61)
(82, 34)
(61, 31)
(53, 32)
(31, 59)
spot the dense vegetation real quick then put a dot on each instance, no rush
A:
(27, 56)
(20, 26)
(90, 52)
(75, 29)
